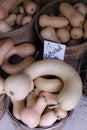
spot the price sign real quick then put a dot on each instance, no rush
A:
(53, 50)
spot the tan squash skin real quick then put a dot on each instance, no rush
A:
(11, 19)
(5, 46)
(75, 18)
(48, 119)
(23, 84)
(26, 51)
(72, 90)
(49, 33)
(52, 21)
(76, 33)
(16, 68)
(63, 35)
(31, 115)
(81, 7)
(31, 99)
(22, 50)
(7, 5)
(50, 97)
(26, 20)
(60, 113)
(19, 19)
(43, 84)
(17, 107)
(4, 27)
(30, 6)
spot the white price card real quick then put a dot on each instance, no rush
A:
(53, 50)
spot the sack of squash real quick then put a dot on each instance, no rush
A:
(17, 19)
(49, 90)
(64, 22)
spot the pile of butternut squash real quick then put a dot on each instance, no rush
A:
(39, 90)
(44, 92)
(15, 14)
(69, 27)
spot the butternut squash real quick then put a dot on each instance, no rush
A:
(76, 33)
(48, 85)
(70, 95)
(63, 35)
(75, 18)
(49, 33)
(52, 21)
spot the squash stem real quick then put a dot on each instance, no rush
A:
(54, 106)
